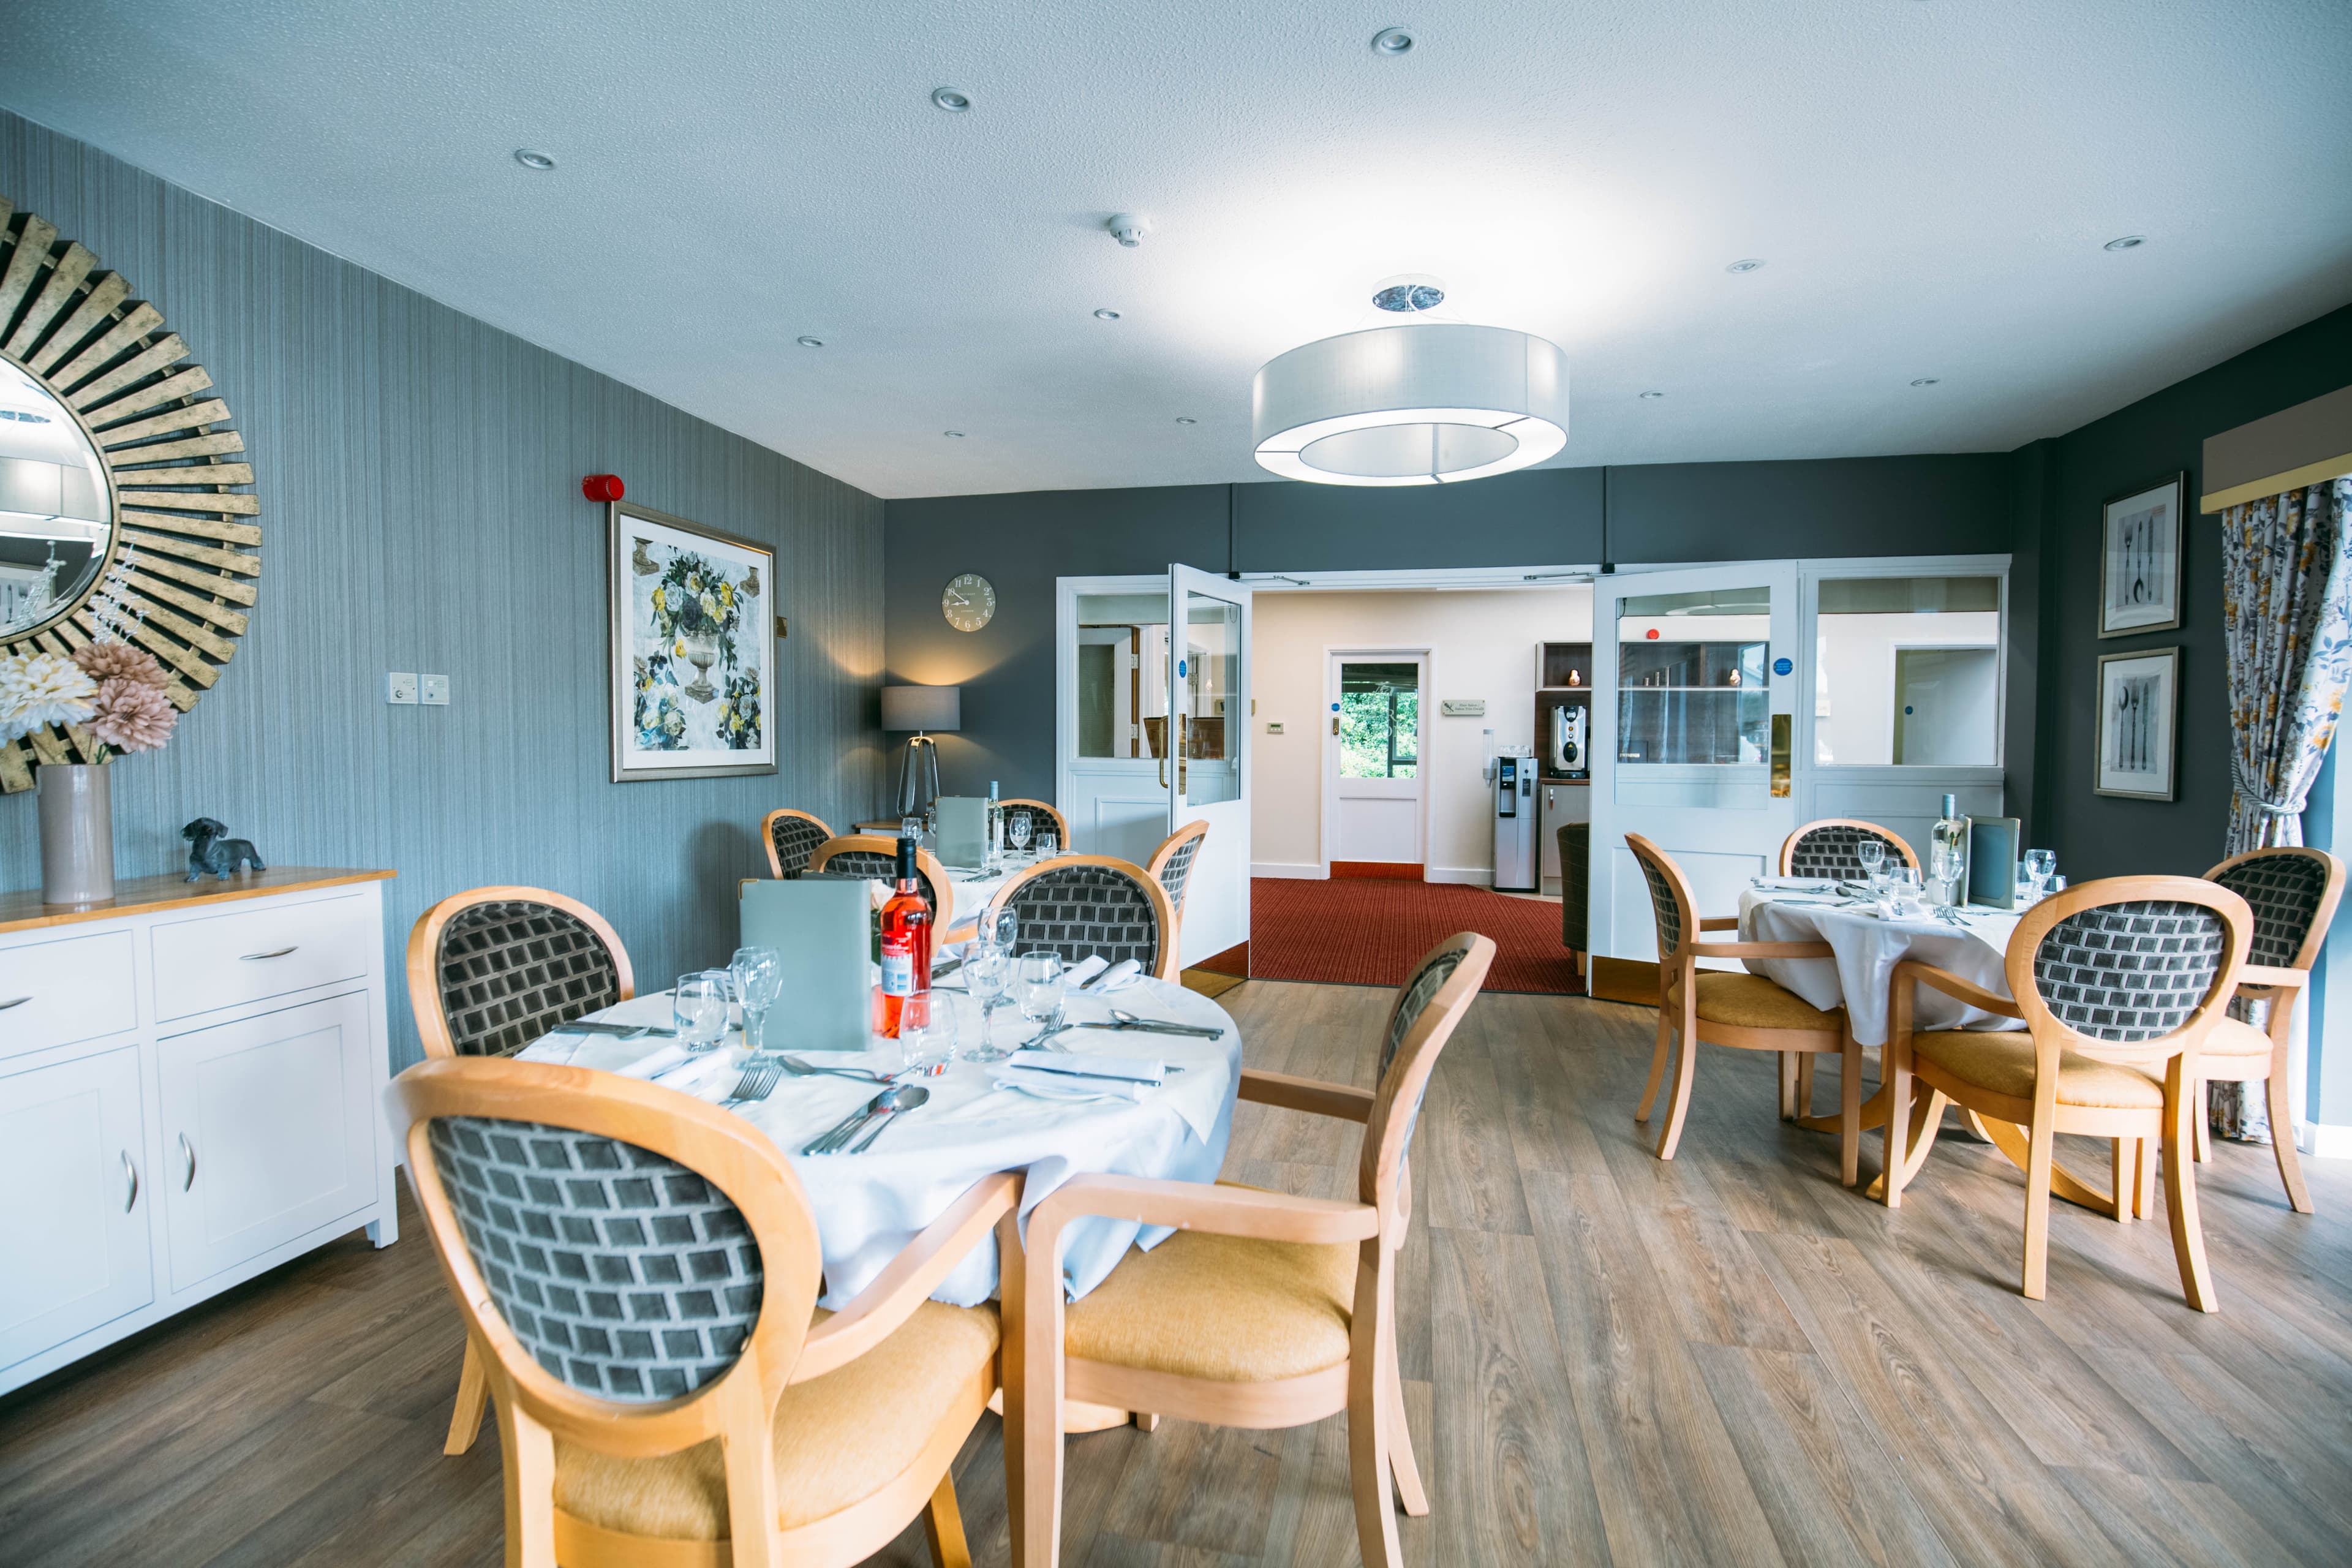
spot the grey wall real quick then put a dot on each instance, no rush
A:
(1668, 513)
(419, 476)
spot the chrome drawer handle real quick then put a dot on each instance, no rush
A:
(190, 1150)
(131, 1176)
(281, 953)
(13, 1001)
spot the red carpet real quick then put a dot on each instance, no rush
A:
(1369, 932)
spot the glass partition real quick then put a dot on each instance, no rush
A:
(1906, 671)
(1208, 676)
(1122, 675)
(1694, 699)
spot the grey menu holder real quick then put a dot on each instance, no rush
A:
(1992, 861)
(962, 833)
(822, 930)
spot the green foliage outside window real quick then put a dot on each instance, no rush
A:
(1378, 734)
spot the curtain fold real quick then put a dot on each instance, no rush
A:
(2286, 618)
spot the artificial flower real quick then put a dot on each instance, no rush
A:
(104, 661)
(133, 716)
(38, 689)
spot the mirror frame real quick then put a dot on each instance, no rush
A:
(183, 552)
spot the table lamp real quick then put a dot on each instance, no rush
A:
(920, 708)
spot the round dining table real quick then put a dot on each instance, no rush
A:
(868, 1207)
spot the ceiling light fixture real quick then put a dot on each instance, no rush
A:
(810, 342)
(1927, 381)
(1106, 315)
(1433, 403)
(952, 435)
(948, 99)
(1409, 294)
(534, 160)
(1749, 264)
(2128, 242)
(1652, 396)
(1391, 42)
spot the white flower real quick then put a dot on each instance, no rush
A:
(38, 689)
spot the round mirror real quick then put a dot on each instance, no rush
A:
(56, 521)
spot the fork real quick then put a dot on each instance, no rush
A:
(761, 1075)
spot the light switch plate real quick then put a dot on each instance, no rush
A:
(1273, 728)
(434, 692)
(400, 686)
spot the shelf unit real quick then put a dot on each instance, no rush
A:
(1563, 680)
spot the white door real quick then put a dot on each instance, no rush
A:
(269, 1131)
(1695, 680)
(1114, 777)
(1208, 685)
(1372, 757)
(73, 1228)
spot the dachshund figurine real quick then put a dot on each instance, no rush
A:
(215, 851)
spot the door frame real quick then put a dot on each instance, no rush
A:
(1426, 657)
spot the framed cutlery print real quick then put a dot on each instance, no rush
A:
(2139, 560)
(2140, 699)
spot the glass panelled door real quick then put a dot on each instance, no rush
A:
(1207, 672)
(1695, 674)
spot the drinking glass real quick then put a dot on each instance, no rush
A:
(988, 974)
(1037, 987)
(1017, 830)
(758, 976)
(697, 1007)
(927, 1031)
(2040, 864)
(1049, 844)
(1873, 855)
(1903, 883)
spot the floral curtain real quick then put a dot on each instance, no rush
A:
(2286, 618)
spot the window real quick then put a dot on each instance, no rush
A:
(1380, 720)
(1907, 671)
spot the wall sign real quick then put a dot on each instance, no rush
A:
(1783, 666)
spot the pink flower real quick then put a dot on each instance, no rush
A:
(118, 661)
(132, 715)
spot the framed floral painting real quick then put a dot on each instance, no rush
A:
(693, 656)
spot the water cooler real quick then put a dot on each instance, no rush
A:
(1515, 823)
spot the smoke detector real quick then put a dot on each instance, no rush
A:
(1128, 229)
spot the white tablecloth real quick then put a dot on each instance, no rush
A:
(869, 1206)
(1867, 949)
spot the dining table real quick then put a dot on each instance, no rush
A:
(870, 1205)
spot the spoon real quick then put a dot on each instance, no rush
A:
(799, 1068)
(1123, 1019)
(905, 1097)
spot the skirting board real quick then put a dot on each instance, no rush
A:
(1308, 873)
(1470, 876)
(2323, 1139)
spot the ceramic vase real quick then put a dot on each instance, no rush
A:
(77, 834)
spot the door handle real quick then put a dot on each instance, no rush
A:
(1163, 772)
(281, 953)
(131, 1183)
(13, 1001)
(1781, 747)
(190, 1150)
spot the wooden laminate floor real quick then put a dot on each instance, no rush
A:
(1727, 1359)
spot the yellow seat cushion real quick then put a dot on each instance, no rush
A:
(2234, 1037)
(840, 1438)
(1227, 1308)
(1752, 1002)
(2003, 1063)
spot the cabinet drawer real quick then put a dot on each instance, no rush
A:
(218, 960)
(73, 1229)
(75, 988)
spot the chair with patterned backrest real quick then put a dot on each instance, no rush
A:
(1093, 906)
(1746, 1012)
(876, 855)
(1040, 817)
(791, 837)
(2294, 892)
(639, 1272)
(2120, 983)
(490, 971)
(1171, 863)
(1826, 849)
(1262, 1310)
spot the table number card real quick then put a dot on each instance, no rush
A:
(1992, 861)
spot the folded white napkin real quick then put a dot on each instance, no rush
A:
(1080, 1064)
(1792, 884)
(1892, 908)
(1117, 977)
(656, 1064)
(1084, 970)
(557, 1050)
(1061, 1085)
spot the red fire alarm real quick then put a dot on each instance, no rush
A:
(602, 487)
(1651, 634)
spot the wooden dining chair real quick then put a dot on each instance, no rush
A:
(876, 855)
(1171, 864)
(1826, 848)
(639, 1272)
(791, 838)
(1093, 906)
(1746, 1012)
(2292, 891)
(490, 971)
(2116, 980)
(1040, 816)
(1263, 1309)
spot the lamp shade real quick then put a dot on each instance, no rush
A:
(923, 707)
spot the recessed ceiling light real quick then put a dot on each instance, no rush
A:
(533, 159)
(1927, 381)
(1652, 396)
(810, 342)
(1186, 419)
(954, 435)
(1749, 265)
(1391, 41)
(952, 101)
(2128, 242)
(1106, 314)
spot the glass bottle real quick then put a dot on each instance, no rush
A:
(905, 948)
(1948, 859)
(995, 856)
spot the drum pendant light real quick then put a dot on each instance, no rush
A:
(1425, 404)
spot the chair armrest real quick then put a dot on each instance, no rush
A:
(2264, 977)
(1719, 922)
(1195, 1205)
(1311, 1095)
(1952, 985)
(907, 1282)
(1761, 949)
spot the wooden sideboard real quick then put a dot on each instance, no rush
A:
(191, 1091)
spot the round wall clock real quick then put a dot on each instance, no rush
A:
(967, 601)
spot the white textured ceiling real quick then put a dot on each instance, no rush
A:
(1929, 180)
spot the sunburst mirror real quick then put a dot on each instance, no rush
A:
(125, 507)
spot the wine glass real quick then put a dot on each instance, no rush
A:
(1037, 987)
(758, 976)
(697, 1007)
(1017, 830)
(1049, 844)
(988, 974)
(998, 927)
(927, 1031)
(2040, 864)
(1944, 865)
(1873, 855)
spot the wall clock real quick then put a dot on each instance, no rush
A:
(968, 602)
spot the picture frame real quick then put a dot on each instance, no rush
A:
(691, 652)
(2139, 559)
(2138, 728)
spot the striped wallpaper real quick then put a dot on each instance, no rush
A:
(419, 474)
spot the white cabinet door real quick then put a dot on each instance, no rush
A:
(73, 1224)
(267, 1132)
